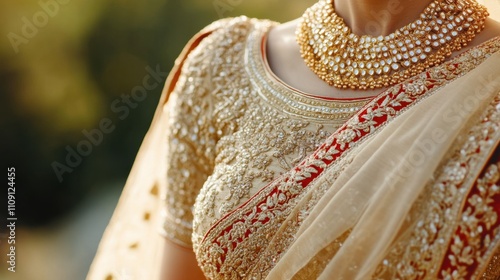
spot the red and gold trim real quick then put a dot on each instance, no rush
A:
(261, 216)
(478, 229)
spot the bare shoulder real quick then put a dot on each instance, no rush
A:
(283, 53)
(281, 32)
(281, 41)
(492, 27)
(491, 30)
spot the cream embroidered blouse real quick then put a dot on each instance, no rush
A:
(234, 128)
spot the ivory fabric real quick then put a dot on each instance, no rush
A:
(376, 192)
(131, 246)
(267, 182)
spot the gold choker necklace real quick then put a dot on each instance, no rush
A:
(346, 60)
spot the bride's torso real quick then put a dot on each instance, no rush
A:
(269, 127)
(274, 111)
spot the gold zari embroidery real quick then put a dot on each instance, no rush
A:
(233, 131)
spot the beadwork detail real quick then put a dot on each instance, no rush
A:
(228, 248)
(257, 140)
(344, 59)
(220, 149)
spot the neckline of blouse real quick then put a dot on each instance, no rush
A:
(282, 96)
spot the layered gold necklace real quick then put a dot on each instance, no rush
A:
(346, 60)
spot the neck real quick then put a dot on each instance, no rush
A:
(379, 17)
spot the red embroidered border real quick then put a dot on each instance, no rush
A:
(331, 150)
(488, 231)
(372, 116)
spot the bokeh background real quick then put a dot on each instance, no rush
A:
(63, 64)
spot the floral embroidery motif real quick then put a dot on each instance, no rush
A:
(478, 228)
(419, 254)
(256, 142)
(220, 149)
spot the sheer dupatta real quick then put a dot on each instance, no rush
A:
(343, 212)
(132, 247)
(374, 197)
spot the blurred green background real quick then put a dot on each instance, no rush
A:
(63, 64)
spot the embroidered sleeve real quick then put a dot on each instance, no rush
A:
(190, 140)
(198, 115)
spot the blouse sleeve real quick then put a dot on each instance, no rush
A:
(190, 140)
